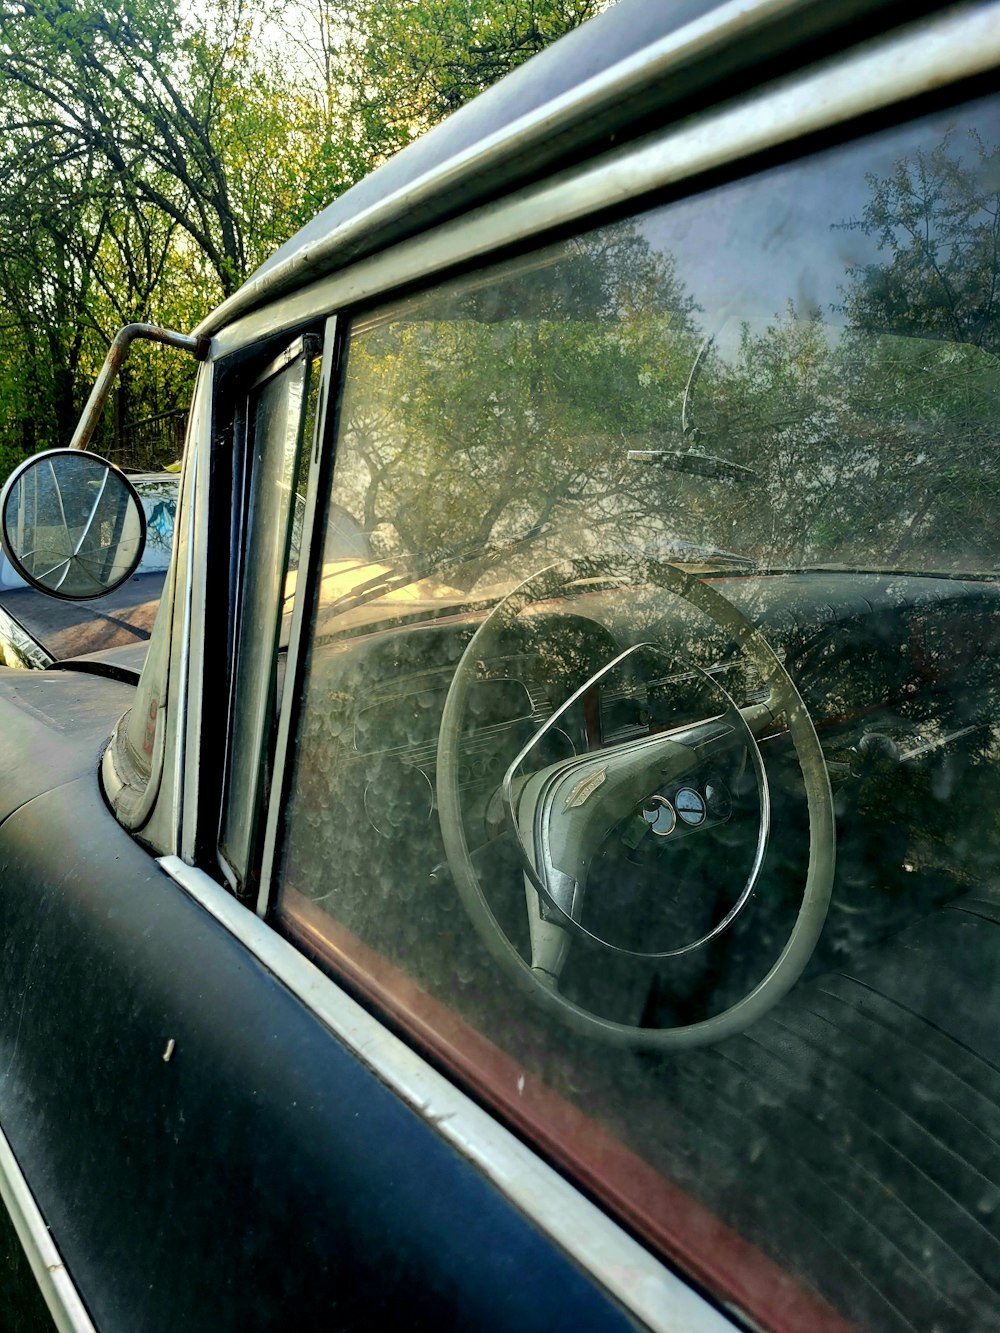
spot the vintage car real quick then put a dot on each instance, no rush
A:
(546, 875)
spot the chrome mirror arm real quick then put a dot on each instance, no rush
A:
(117, 352)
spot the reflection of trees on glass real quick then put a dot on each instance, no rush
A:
(511, 401)
(159, 501)
(867, 448)
(876, 443)
(926, 338)
(937, 220)
(160, 523)
(517, 401)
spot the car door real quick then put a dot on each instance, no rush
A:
(259, 1063)
(199, 1143)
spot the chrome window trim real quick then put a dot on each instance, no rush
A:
(58, 1291)
(191, 669)
(275, 803)
(933, 54)
(235, 863)
(633, 1276)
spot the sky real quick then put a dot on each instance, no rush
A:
(745, 250)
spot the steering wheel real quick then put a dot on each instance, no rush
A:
(561, 814)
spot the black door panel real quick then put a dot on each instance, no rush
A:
(262, 1159)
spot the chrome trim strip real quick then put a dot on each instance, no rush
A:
(906, 63)
(33, 653)
(191, 676)
(630, 1273)
(61, 1297)
(295, 636)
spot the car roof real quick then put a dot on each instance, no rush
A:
(600, 84)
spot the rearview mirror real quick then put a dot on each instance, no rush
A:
(71, 524)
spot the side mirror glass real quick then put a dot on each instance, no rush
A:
(71, 524)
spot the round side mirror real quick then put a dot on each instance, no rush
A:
(71, 524)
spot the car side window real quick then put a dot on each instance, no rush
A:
(638, 508)
(280, 411)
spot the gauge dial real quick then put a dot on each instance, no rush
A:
(660, 815)
(690, 806)
(718, 800)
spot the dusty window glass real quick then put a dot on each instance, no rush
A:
(281, 409)
(647, 762)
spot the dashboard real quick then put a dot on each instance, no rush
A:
(898, 672)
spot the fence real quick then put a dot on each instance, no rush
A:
(150, 444)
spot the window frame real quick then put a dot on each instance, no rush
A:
(813, 108)
(319, 465)
(245, 807)
(362, 977)
(206, 604)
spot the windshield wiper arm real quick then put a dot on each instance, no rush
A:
(701, 465)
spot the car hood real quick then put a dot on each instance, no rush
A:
(72, 629)
(123, 663)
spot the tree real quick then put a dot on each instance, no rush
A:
(152, 159)
(521, 397)
(384, 71)
(144, 171)
(191, 126)
(937, 217)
